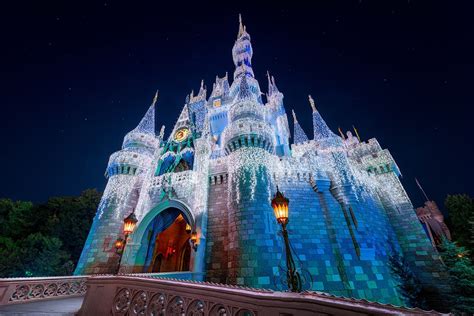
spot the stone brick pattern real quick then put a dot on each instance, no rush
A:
(217, 230)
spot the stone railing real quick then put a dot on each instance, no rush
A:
(127, 295)
(173, 178)
(21, 290)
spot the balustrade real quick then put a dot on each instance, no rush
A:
(20, 290)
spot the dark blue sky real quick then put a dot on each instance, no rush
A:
(76, 77)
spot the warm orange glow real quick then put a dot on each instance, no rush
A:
(194, 238)
(281, 212)
(181, 134)
(280, 207)
(129, 223)
(119, 243)
(188, 228)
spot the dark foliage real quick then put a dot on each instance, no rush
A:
(461, 276)
(44, 239)
(460, 209)
(410, 287)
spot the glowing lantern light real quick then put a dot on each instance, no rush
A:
(280, 207)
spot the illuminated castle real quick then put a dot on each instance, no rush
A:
(213, 179)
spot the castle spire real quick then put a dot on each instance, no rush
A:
(155, 98)
(272, 88)
(269, 83)
(242, 53)
(147, 123)
(241, 27)
(320, 129)
(311, 102)
(294, 116)
(299, 136)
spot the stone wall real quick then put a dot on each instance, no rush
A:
(217, 230)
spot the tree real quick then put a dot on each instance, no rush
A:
(461, 219)
(410, 287)
(461, 276)
(10, 262)
(42, 255)
(44, 239)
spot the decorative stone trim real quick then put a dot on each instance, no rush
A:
(19, 290)
(131, 295)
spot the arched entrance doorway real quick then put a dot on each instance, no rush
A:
(167, 239)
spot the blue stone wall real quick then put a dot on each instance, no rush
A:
(253, 250)
(346, 254)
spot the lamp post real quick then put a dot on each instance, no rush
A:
(280, 208)
(129, 224)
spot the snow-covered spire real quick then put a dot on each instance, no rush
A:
(272, 88)
(320, 128)
(155, 98)
(299, 136)
(241, 27)
(147, 123)
(311, 102)
(220, 87)
(242, 53)
(162, 131)
(201, 96)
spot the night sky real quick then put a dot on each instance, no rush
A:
(76, 77)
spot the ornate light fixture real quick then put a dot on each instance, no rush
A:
(129, 224)
(188, 228)
(194, 241)
(280, 208)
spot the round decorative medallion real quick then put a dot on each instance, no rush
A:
(181, 134)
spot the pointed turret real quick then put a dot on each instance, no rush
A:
(201, 96)
(144, 134)
(272, 88)
(299, 135)
(241, 27)
(147, 123)
(162, 131)
(320, 128)
(220, 88)
(242, 53)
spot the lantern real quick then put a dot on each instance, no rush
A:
(129, 223)
(194, 237)
(280, 207)
(188, 228)
(119, 244)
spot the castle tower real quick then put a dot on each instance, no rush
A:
(248, 142)
(125, 173)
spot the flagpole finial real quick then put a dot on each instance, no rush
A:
(294, 116)
(241, 27)
(311, 102)
(341, 133)
(356, 132)
(423, 191)
(155, 98)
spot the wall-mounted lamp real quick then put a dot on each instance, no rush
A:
(194, 241)
(188, 228)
